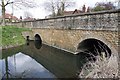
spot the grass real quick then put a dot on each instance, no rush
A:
(0, 37)
(12, 35)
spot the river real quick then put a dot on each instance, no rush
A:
(32, 60)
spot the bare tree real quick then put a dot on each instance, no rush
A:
(100, 6)
(27, 14)
(57, 7)
(17, 3)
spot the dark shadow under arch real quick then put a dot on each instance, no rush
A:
(88, 49)
(38, 41)
(94, 46)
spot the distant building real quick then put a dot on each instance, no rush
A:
(84, 8)
(10, 18)
(88, 9)
(72, 12)
(28, 19)
(75, 12)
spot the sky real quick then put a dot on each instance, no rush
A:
(40, 12)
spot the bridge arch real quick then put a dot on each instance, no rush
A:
(87, 38)
(93, 47)
(38, 37)
(100, 38)
(89, 49)
(37, 41)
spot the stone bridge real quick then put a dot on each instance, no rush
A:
(95, 31)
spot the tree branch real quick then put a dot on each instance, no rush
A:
(18, 6)
(8, 3)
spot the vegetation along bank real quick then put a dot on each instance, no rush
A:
(12, 36)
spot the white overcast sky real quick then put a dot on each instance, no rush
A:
(40, 12)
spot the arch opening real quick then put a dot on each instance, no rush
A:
(38, 41)
(90, 48)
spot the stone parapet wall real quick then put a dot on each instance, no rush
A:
(105, 20)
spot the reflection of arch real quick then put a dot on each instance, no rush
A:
(38, 41)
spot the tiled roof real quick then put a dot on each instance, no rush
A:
(72, 12)
(8, 16)
(29, 19)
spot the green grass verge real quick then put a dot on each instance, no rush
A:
(12, 35)
(0, 36)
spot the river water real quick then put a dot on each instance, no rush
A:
(38, 61)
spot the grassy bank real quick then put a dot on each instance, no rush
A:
(12, 35)
(0, 36)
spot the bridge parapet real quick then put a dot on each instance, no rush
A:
(105, 20)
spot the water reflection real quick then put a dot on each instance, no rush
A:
(23, 66)
(38, 44)
(29, 61)
(27, 43)
(38, 41)
(60, 63)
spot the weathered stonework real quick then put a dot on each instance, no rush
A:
(69, 39)
(107, 20)
(68, 31)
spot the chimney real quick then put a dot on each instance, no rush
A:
(83, 8)
(88, 9)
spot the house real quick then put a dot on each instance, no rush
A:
(10, 18)
(75, 12)
(72, 12)
(66, 13)
(28, 19)
(84, 10)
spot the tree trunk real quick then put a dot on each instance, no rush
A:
(3, 13)
(63, 8)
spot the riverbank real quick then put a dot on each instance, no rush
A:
(12, 36)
